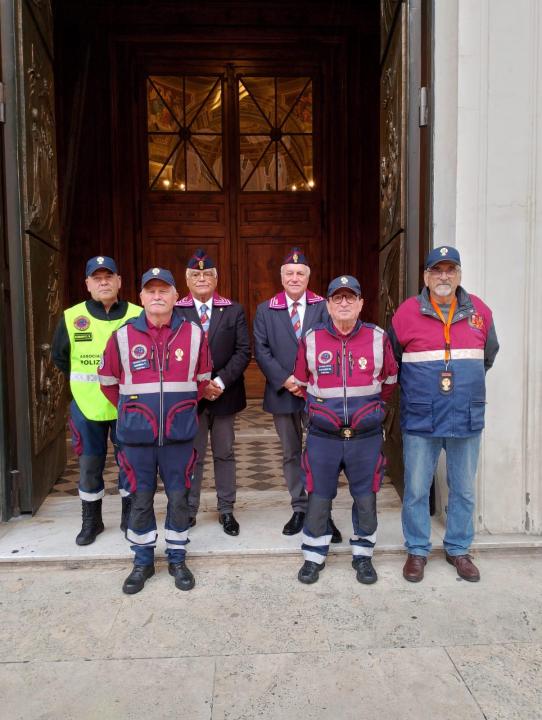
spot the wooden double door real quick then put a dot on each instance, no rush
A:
(230, 160)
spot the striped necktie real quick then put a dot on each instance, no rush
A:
(296, 321)
(204, 318)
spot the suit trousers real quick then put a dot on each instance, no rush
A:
(222, 438)
(289, 427)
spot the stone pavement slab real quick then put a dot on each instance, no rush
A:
(109, 690)
(411, 684)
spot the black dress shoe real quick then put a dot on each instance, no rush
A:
(229, 523)
(136, 579)
(184, 580)
(309, 572)
(336, 536)
(191, 521)
(294, 524)
(365, 572)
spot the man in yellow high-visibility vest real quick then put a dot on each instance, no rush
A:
(79, 341)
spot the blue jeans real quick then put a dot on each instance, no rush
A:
(421, 455)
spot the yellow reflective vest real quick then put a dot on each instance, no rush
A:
(88, 338)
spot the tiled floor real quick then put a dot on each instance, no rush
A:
(257, 451)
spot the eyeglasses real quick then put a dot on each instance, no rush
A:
(194, 274)
(349, 297)
(435, 272)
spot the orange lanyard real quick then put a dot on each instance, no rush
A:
(447, 324)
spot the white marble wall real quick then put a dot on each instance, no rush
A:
(487, 182)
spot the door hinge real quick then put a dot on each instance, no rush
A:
(424, 107)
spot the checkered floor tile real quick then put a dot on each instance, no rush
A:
(257, 451)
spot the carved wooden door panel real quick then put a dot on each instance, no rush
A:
(231, 168)
(392, 193)
(42, 448)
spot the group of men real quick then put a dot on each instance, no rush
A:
(159, 380)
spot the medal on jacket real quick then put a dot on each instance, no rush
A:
(446, 378)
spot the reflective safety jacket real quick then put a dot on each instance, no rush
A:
(88, 336)
(156, 391)
(347, 377)
(433, 404)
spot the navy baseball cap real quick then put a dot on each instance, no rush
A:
(100, 262)
(344, 282)
(444, 253)
(157, 273)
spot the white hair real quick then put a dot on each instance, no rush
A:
(300, 264)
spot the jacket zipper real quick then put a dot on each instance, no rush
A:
(345, 404)
(164, 362)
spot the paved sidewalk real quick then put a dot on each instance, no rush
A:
(251, 642)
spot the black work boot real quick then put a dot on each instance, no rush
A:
(92, 522)
(184, 580)
(136, 579)
(125, 512)
(365, 572)
(309, 572)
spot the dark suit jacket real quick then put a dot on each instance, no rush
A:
(230, 351)
(275, 347)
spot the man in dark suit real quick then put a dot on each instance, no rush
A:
(225, 324)
(279, 324)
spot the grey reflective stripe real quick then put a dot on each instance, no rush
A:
(298, 382)
(310, 342)
(338, 392)
(195, 342)
(108, 380)
(83, 377)
(124, 349)
(390, 380)
(378, 353)
(149, 388)
(204, 376)
(432, 355)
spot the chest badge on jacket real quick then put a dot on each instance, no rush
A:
(476, 321)
(179, 354)
(362, 362)
(139, 352)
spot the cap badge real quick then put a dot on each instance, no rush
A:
(179, 354)
(100, 260)
(156, 271)
(295, 257)
(201, 264)
(443, 251)
(344, 280)
(362, 362)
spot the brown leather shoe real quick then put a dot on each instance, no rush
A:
(466, 569)
(414, 567)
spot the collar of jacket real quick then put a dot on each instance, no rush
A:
(463, 309)
(140, 322)
(218, 300)
(280, 302)
(332, 330)
(97, 310)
